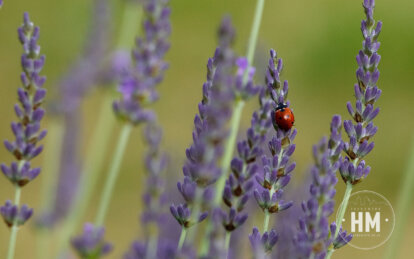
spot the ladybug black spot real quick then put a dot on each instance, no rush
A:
(280, 118)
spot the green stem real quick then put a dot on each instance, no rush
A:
(112, 175)
(343, 207)
(130, 18)
(255, 30)
(229, 149)
(195, 212)
(92, 167)
(182, 238)
(14, 228)
(227, 242)
(266, 221)
(404, 207)
(341, 214)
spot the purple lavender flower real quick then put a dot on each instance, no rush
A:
(138, 82)
(1, 3)
(153, 214)
(165, 250)
(201, 168)
(91, 244)
(244, 167)
(314, 236)
(26, 130)
(183, 215)
(31, 96)
(13, 215)
(262, 244)
(276, 167)
(342, 239)
(354, 170)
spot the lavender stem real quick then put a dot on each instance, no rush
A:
(182, 238)
(131, 17)
(341, 214)
(266, 221)
(14, 228)
(93, 163)
(254, 32)
(227, 243)
(113, 174)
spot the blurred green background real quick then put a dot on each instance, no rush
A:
(318, 41)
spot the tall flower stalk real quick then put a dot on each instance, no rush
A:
(244, 167)
(201, 169)
(138, 87)
(94, 160)
(353, 169)
(277, 166)
(26, 130)
(152, 214)
(237, 112)
(315, 235)
(238, 106)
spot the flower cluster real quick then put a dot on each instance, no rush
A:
(314, 236)
(277, 167)
(353, 170)
(155, 164)
(244, 167)
(26, 130)
(149, 70)
(11, 213)
(138, 82)
(262, 244)
(201, 169)
(91, 244)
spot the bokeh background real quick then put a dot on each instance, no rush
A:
(318, 41)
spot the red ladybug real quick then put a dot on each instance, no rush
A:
(284, 117)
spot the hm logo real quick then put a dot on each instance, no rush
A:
(370, 222)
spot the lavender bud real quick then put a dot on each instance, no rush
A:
(91, 244)
(13, 215)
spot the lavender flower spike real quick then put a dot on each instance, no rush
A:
(201, 169)
(239, 184)
(26, 130)
(277, 167)
(353, 169)
(138, 82)
(1, 4)
(91, 244)
(314, 237)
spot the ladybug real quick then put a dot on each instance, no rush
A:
(284, 117)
